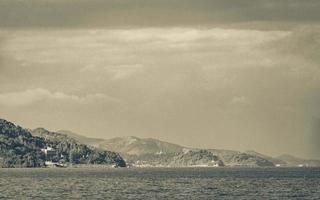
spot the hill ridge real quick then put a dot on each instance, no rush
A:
(20, 147)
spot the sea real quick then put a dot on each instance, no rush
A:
(160, 183)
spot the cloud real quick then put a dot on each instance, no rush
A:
(124, 71)
(117, 72)
(240, 100)
(33, 96)
(289, 108)
(224, 83)
(100, 49)
(303, 42)
(69, 13)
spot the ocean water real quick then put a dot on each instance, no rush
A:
(163, 183)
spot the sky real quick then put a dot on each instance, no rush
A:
(241, 75)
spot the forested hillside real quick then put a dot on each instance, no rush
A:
(19, 148)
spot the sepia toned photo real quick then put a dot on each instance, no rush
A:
(160, 99)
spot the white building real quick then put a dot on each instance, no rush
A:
(49, 151)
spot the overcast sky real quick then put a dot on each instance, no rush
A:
(231, 74)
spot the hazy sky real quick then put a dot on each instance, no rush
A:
(233, 74)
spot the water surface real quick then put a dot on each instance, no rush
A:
(163, 183)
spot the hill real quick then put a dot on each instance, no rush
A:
(21, 148)
(152, 152)
(294, 161)
(74, 151)
(276, 161)
(18, 148)
(138, 146)
(80, 138)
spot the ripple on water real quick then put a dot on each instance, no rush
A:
(186, 183)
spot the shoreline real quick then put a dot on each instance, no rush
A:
(162, 167)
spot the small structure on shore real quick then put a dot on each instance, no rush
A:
(54, 164)
(49, 151)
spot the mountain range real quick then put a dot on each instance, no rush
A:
(20, 147)
(152, 152)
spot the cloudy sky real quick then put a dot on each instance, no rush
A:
(230, 74)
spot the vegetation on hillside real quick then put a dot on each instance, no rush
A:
(19, 148)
